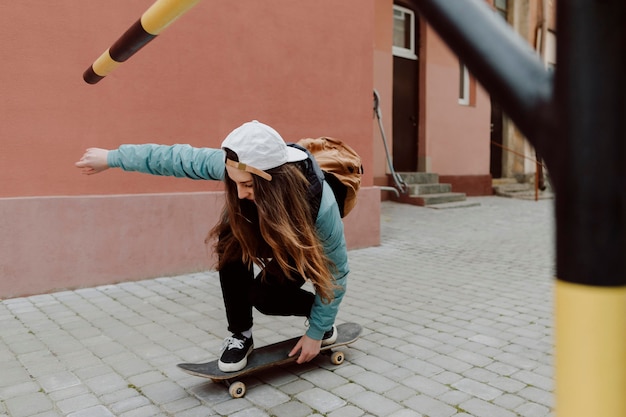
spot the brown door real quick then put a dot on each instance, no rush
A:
(495, 158)
(405, 89)
(404, 114)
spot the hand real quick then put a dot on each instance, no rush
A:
(308, 348)
(93, 161)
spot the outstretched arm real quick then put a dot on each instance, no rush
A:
(182, 161)
(94, 160)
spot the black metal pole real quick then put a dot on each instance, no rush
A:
(590, 292)
(591, 101)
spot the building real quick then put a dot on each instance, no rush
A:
(308, 69)
(440, 119)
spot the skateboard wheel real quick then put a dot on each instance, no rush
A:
(237, 389)
(337, 358)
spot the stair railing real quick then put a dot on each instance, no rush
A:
(539, 165)
(401, 186)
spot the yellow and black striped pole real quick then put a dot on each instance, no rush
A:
(590, 292)
(154, 20)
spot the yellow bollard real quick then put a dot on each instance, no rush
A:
(591, 355)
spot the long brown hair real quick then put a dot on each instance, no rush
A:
(277, 225)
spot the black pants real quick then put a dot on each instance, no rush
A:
(274, 295)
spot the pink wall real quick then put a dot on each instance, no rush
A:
(453, 140)
(455, 136)
(293, 65)
(219, 65)
(383, 83)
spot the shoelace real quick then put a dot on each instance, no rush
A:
(232, 343)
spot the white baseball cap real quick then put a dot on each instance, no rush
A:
(259, 148)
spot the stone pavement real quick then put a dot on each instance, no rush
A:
(456, 306)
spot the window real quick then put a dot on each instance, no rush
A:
(404, 32)
(501, 8)
(464, 85)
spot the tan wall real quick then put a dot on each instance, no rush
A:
(295, 66)
(526, 18)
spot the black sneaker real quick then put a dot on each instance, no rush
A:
(330, 336)
(235, 353)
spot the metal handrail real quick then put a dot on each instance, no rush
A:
(401, 186)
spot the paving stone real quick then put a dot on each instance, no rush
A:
(128, 404)
(374, 364)
(70, 392)
(296, 387)
(78, 403)
(17, 390)
(406, 413)
(348, 411)
(28, 404)
(251, 412)
(477, 389)
(509, 401)
(97, 411)
(163, 392)
(537, 395)
(266, 397)
(375, 404)
(374, 382)
(348, 390)
(534, 379)
(321, 400)
(145, 411)
(479, 408)
(399, 393)
(291, 409)
(532, 410)
(200, 411)
(105, 384)
(58, 381)
(232, 406)
(425, 386)
(323, 378)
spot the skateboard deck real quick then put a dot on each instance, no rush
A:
(269, 356)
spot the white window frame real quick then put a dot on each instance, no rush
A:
(464, 85)
(408, 53)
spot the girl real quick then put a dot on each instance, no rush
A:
(279, 214)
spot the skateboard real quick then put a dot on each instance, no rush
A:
(269, 356)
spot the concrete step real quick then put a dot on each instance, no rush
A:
(419, 177)
(428, 200)
(524, 191)
(511, 187)
(454, 205)
(421, 189)
(424, 189)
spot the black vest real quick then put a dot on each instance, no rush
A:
(315, 176)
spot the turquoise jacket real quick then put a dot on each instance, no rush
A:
(208, 164)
